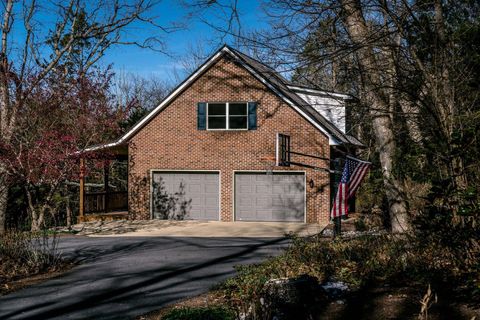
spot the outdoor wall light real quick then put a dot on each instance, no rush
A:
(311, 183)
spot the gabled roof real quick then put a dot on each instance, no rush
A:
(272, 79)
(287, 89)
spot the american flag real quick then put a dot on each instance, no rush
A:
(352, 176)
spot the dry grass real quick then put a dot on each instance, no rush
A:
(27, 258)
(365, 262)
(209, 299)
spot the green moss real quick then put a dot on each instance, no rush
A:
(207, 313)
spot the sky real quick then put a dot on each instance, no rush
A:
(145, 62)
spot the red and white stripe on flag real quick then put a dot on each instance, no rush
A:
(353, 173)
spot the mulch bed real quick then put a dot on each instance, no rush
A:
(14, 282)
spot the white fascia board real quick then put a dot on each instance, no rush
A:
(162, 105)
(100, 147)
(315, 91)
(331, 139)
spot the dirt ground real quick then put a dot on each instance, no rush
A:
(23, 281)
(396, 303)
(378, 303)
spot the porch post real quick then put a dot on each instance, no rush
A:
(82, 190)
(106, 169)
(337, 176)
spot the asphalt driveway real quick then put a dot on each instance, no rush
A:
(123, 277)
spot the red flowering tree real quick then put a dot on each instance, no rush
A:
(44, 38)
(60, 118)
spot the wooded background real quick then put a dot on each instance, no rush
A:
(413, 67)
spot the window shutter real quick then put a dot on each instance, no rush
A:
(201, 116)
(252, 116)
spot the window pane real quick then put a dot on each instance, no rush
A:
(239, 109)
(237, 122)
(216, 109)
(217, 122)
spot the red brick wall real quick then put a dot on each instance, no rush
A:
(171, 141)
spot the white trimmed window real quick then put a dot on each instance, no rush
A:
(227, 116)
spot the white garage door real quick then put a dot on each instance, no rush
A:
(186, 195)
(273, 197)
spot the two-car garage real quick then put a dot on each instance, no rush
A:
(257, 196)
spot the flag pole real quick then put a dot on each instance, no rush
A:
(337, 173)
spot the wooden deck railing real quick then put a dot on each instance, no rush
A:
(103, 202)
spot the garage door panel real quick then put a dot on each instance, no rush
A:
(287, 216)
(263, 202)
(211, 202)
(211, 188)
(197, 200)
(243, 178)
(274, 197)
(294, 189)
(194, 195)
(245, 188)
(263, 213)
(279, 189)
(246, 202)
(195, 188)
(262, 178)
(195, 211)
(262, 189)
(246, 214)
(211, 177)
(278, 202)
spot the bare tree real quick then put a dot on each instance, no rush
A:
(138, 94)
(148, 91)
(48, 44)
(359, 33)
(411, 66)
(193, 57)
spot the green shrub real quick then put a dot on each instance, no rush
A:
(204, 313)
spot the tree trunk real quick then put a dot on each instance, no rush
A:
(410, 113)
(35, 226)
(3, 199)
(68, 211)
(38, 219)
(37, 215)
(386, 146)
(3, 207)
(379, 111)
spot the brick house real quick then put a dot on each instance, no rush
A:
(209, 151)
